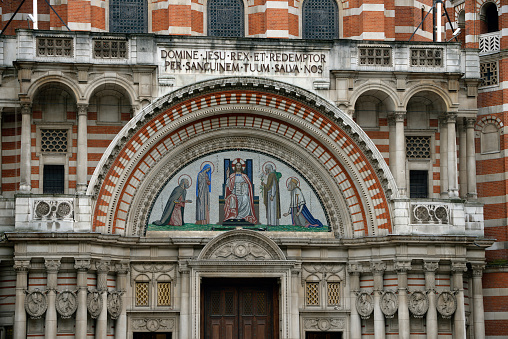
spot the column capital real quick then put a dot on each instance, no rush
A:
(395, 117)
(82, 264)
(451, 118)
(478, 269)
(377, 268)
(82, 109)
(431, 266)
(122, 268)
(52, 265)
(26, 108)
(354, 268)
(402, 266)
(102, 266)
(459, 267)
(21, 265)
(470, 122)
(183, 268)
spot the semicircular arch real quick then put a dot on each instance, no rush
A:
(438, 91)
(113, 81)
(391, 98)
(57, 79)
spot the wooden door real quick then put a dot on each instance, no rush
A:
(239, 309)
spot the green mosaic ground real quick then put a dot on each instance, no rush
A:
(194, 227)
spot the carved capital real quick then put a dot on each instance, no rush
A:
(402, 266)
(122, 268)
(478, 269)
(470, 122)
(82, 264)
(21, 265)
(377, 268)
(431, 266)
(26, 108)
(102, 267)
(354, 268)
(82, 109)
(52, 265)
(459, 267)
(398, 116)
(451, 118)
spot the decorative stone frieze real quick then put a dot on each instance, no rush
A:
(430, 213)
(94, 303)
(66, 304)
(53, 209)
(114, 304)
(36, 303)
(446, 304)
(364, 305)
(153, 324)
(418, 304)
(324, 324)
(389, 304)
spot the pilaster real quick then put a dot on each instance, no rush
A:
(26, 143)
(82, 156)
(471, 159)
(478, 311)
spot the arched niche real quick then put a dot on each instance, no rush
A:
(331, 152)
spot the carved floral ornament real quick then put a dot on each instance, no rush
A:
(153, 324)
(446, 304)
(324, 324)
(418, 304)
(66, 304)
(364, 305)
(36, 303)
(94, 303)
(389, 304)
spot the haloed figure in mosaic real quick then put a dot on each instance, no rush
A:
(300, 214)
(239, 201)
(203, 189)
(271, 195)
(174, 211)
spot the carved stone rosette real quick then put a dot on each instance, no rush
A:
(446, 304)
(418, 304)
(66, 304)
(114, 304)
(152, 324)
(36, 303)
(324, 324)
(364, 305)
(94, 303)
(389, 304)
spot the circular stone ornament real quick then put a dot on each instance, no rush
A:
(66, 304)
(114, 304)
(36, 303)
(364, 305)
(418, 304)
(446, 304)
(389, 304)
(94, 304)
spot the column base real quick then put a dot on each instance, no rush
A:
(472, 196)
(453, 193)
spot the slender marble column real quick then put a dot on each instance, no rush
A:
(453, 188)
(443, 156)
(430, 285)
(82, 266)
(295, 313)
(378, 269)
(82, 161)
(461, 127)
(52, 267)
(400, 152)
(21, 267)
(392, 143)
(121, 286)
(185, 304)
(471, 159)
(404, 326)
(478, 313)
(458, 269)
(26, 142)
(101, 329)
(354, 283)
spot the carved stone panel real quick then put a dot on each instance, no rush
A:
(66, 304)
(324, 324)
(364, 305)
(36, 304)
(94, 304)
(418, 304)
(114, 304)
(389, 304)
(153, 324)
(446, 304)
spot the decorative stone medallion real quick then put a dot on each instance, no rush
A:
(418, 304)
(66, 304)
(364, 305)
(94, 304)
(324, 324)
(114, 304)
(36, 303)
(153, 324)
(389, 304)
(446, 304)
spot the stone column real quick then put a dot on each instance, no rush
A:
(443, 156)
(21, 267)
(404, 326)
(82, 266)
(121, 286)
(52, 267)
(430, 285)
(458, 269)
(453, 188)
(185, 303)
(378, 269)
(461, 127)
(26, 142)
(400, 152)
(82, 161)
(478, 312)
(101, 329)
(354, 270)
(391, 144)
(1, 153)
(471, 159)
(295, 312)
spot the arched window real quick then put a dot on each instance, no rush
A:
(320, 19)
(128, 16)
(225, 18)
(489, 18)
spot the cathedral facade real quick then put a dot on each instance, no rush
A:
(259, 169)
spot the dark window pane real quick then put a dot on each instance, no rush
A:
(225, 18)
(418, 184)
(320, 19)
(128, 16)
(53, 179)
